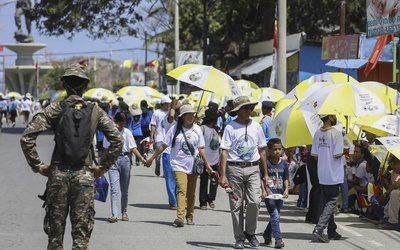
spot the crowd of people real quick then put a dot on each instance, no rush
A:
(239, 154)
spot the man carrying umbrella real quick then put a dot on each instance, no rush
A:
(327, 148)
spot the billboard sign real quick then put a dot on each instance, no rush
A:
(383, 17)
(340, 47)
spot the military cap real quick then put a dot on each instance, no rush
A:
(75, 70)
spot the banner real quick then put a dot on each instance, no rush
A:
(383, 17)
(340, 47)
(190, 57)
(137, 79)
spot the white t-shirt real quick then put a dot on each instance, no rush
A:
(167, 126)
(129, 141)
(158, 120)
(26, 105)
(211, 141)
(327, 144)
(243, 141)
(181, 158)
(361, 173)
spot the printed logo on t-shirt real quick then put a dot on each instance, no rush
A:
(185, 148)
(214, 144)
(245, 149)
(323, 142)
(162, 124)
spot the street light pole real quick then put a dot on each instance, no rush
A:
(176, 29)
(205, 30)
(282, 66)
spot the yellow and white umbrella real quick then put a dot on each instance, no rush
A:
(246, 84)
(268, 94)
(98, 93)
(151, 92)
(350, 99)
(392, 144)
(294, 126)
(130, 92)
(392, 93)
(380, 124)
(14, 94)
(206, 78)
(59, 96)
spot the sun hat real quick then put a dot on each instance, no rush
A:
(210, 114)
(241, 101)
(165, 99)
(104, 99)
(322, 116)
(187, 108)
(135, 110)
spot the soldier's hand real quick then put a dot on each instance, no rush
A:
(97, 171)
(45, 171)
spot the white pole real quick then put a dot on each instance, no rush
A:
(176, 29)
(282, 67)
(37, 79)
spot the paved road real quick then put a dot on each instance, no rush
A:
(150, 225)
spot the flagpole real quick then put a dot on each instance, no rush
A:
(37, 79)
(394, 60)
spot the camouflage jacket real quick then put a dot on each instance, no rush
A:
(43, 121)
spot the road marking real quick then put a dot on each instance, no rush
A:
(375, 243)
(350, 231)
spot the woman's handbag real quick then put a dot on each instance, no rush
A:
(198, 163)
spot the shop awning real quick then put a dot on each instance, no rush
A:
(255, 65)
(347, 64)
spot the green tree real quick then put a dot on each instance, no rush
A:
(99, 19)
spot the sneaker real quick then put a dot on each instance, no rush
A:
(252, 239)
(267, 238)
(172, 207)
(334, 236)
(190, 222)
(125, 217)
(239, 244)
(279, 243)
(13, 125)
(157, 172)
(204, 207)
(211, 204)
(179, 223)
(383, 220)
(320, 236)
(112, 219)
(388, 226)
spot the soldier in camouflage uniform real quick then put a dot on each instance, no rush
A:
(70, 189)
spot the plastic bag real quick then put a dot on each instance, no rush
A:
(101, 189)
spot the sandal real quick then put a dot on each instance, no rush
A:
(211, 204)
(125, 217)
(112, 219)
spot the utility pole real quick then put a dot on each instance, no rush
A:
(145, 58)
(205, 31)
(282, 66)
(342, 22)
(176, 30)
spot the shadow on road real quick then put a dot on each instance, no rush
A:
(209, 245)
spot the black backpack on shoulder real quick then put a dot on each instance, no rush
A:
(73, 133)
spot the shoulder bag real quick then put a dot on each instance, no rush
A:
(198, 163)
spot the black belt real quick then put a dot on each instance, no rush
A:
(125, 153)
(244, 164)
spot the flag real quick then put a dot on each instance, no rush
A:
(276, 43)
(153, 63)
(376, 52)
(37, 64)
(127, 64)
(274, 70)
(136, 65)
(1, 48)
(83, 62)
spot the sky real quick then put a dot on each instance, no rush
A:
(60, 47)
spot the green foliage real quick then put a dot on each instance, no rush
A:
(99, 18)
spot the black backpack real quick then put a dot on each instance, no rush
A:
(73, 133)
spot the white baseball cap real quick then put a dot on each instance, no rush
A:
(165, 99)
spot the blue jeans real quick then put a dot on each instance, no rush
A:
(169, 177)
(344, 189)
(303, 195)
(158, 158)
(274, 210)
(377, 207)
(120, 175)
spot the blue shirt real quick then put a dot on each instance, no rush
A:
(266, 123)
(278, 173)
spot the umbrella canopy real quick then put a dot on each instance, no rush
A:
(206, 78)
(268, 94)
(130, 92)
(151, 92)
(206, 98)
(392, 93)
(350, 99)
(98, 93)
(14, 94)
(59, 96)
(294, 126)
(246, 84)
(392, 144)
(380, 124)
(47, 95)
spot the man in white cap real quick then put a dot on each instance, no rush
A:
(327, 149)
(243, 152)
(157, 132)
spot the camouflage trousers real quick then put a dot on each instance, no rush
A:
(70, 192)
